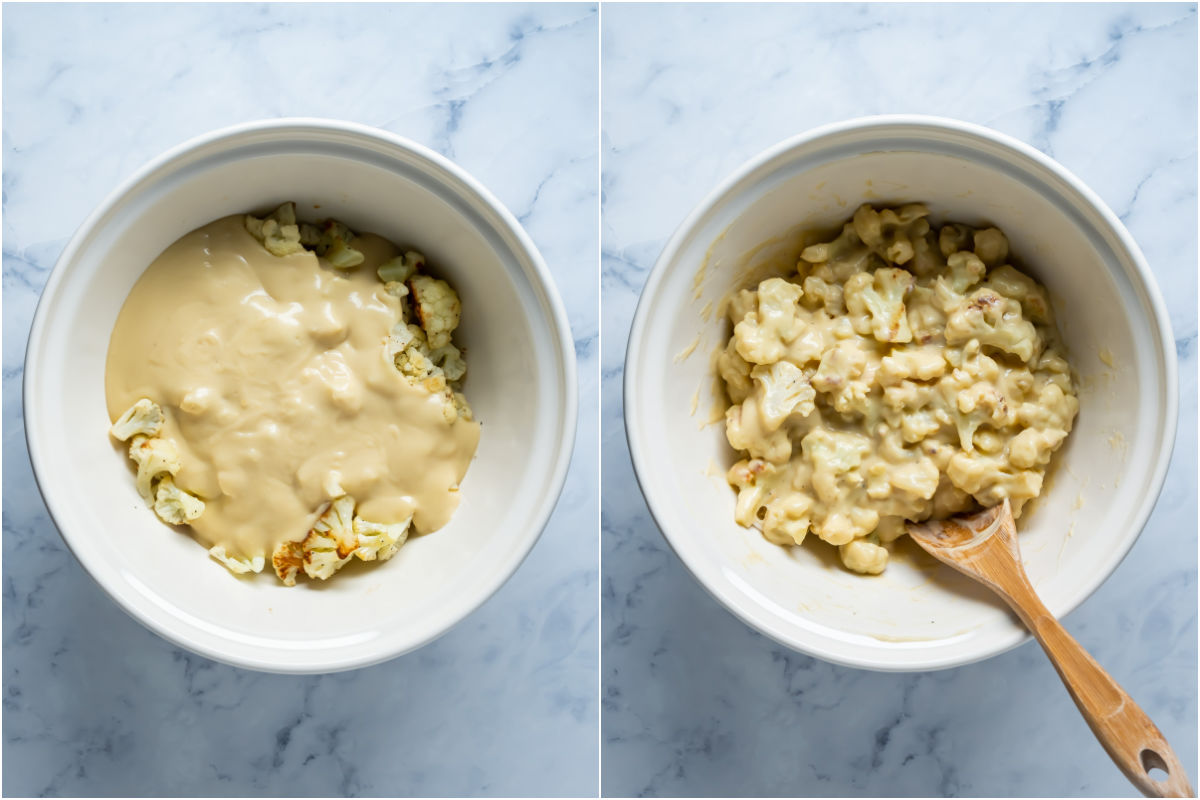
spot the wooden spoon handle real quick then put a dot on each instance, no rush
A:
(1127, 734)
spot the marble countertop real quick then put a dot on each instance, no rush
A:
(694, 702)
(505, 704)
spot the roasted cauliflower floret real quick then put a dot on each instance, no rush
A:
(431, 370)
(333, 243)
(991, 245)
(752, 478)
(437, 307)
(889, 232)
(994, 320)
(377, 541)
(174, 505)
(746, 430)
(787, 520)
(143, 417)
(840, 365)
(332, 541)
(781, 390)
(934, 387)
(964, 269)
(1035, 304)
(278, 231)
(288, 561)
(1033, 447)
(876, 303)
(735, 371)
(990, 479)
(449, 359)
(819, 293)
(762, 335)
(409, 351)
(238, 565)
(916, 363)
(154, 458)
(401, 268)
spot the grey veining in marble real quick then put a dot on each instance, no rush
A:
(505, 704)
(693, 701)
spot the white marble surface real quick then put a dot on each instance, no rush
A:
(694, 702)
(505, 704)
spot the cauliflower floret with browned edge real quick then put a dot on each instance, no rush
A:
(143, 417)
(332, 541)
(994, 320)
(378, 541)
(437, 307)
(963, 270)
(876, 303)
(174, 505)
(1009, 282)
(288, 560)
(154, 458)
(239, 565)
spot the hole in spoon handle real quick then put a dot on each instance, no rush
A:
(1158, 771)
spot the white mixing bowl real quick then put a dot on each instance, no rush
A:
(521, 385)
(1106, 477)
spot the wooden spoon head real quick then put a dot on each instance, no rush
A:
(974, 544)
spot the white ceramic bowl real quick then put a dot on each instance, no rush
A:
(1108, 474)
(521, 385)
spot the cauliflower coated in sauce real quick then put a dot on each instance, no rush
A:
(904, 372)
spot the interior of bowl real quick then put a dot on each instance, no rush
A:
(918, 614)
(520, 385)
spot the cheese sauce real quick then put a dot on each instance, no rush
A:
(277, 390)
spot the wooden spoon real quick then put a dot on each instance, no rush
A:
(984, 546)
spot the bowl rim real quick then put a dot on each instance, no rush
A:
(917, 124)
(364, 135)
